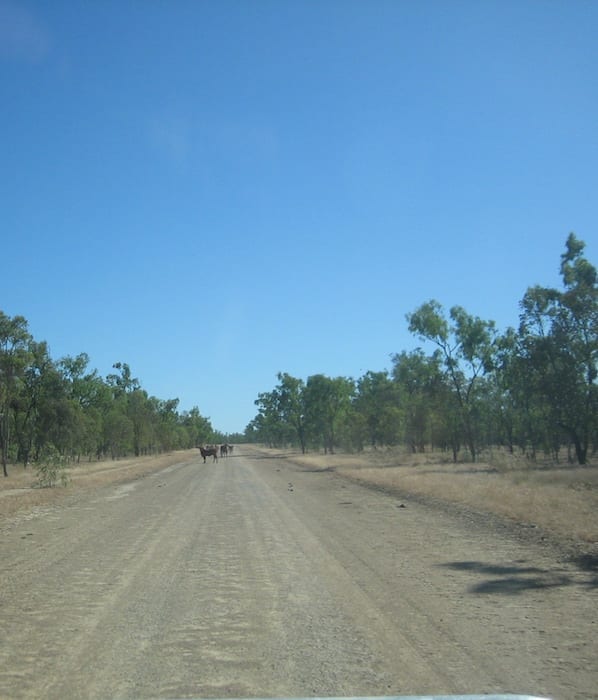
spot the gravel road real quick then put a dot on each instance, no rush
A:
(254, 577)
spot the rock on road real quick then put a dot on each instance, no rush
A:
(254, 577)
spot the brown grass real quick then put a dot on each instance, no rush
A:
(19, 491)
(561, 500)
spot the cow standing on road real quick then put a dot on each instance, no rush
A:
(208, 451)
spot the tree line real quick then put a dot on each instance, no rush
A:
(61, 409)
(531, 389)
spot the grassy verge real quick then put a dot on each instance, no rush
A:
(20, 490)
(562, 500)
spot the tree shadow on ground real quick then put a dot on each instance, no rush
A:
(515, 579)
(589, 564)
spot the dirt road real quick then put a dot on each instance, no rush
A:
(254, 577)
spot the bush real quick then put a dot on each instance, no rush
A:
(51, 469)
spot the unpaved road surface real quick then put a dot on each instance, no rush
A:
(254, 577)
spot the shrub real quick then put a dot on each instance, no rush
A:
(51, 469)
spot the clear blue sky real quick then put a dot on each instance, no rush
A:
(216, 191)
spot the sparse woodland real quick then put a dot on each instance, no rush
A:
(530, 390)
(61, 411)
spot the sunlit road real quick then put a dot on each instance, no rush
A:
(251, 577)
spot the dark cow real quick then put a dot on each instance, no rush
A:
(223, 450)
(209, 451)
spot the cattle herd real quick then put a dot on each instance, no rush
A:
(215, 450)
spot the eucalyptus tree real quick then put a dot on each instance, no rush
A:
(140, 413)
(252, 432)
(327, 403)
(118, 433)
(199, 429)
(419, 389)
(60, 420)
(504, 383)
(73, 370)
(91, 398)
(467, 347)
(124, 382)
(168, 425)
(559, 341)
(268, 426)
(281, 417)
(376, 403)
(26, 407)
(520, 415)
(289, 399)
(15, 342)
(122, 423)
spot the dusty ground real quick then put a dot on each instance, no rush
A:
(268, 575)
(19, 491)
(562, 501)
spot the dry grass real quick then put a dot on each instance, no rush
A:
(19, 491)
(559, 500)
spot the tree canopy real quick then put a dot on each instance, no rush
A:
(532, 388)
(61, 407)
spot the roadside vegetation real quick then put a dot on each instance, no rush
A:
(529, 391)
(25, 491)
(58, 412)
(557, 501)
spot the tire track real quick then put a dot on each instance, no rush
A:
(222, 581)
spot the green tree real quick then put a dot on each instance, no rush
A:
(420, 387)
(559, 340)
(289, 398)
(118, 432)
(14, 356)
(467, 348)
(167, 425)
(139, 411)
(26, 407)
(376, 401)
(268, 426)
(327, 402)
(90, 397)
(519, 415)
(199, 429)
(124, 382)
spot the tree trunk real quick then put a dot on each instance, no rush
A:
(581, 449)
(4, 443)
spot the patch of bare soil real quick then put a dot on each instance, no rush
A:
(20, 491)
(325, 588)
(559, 501)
